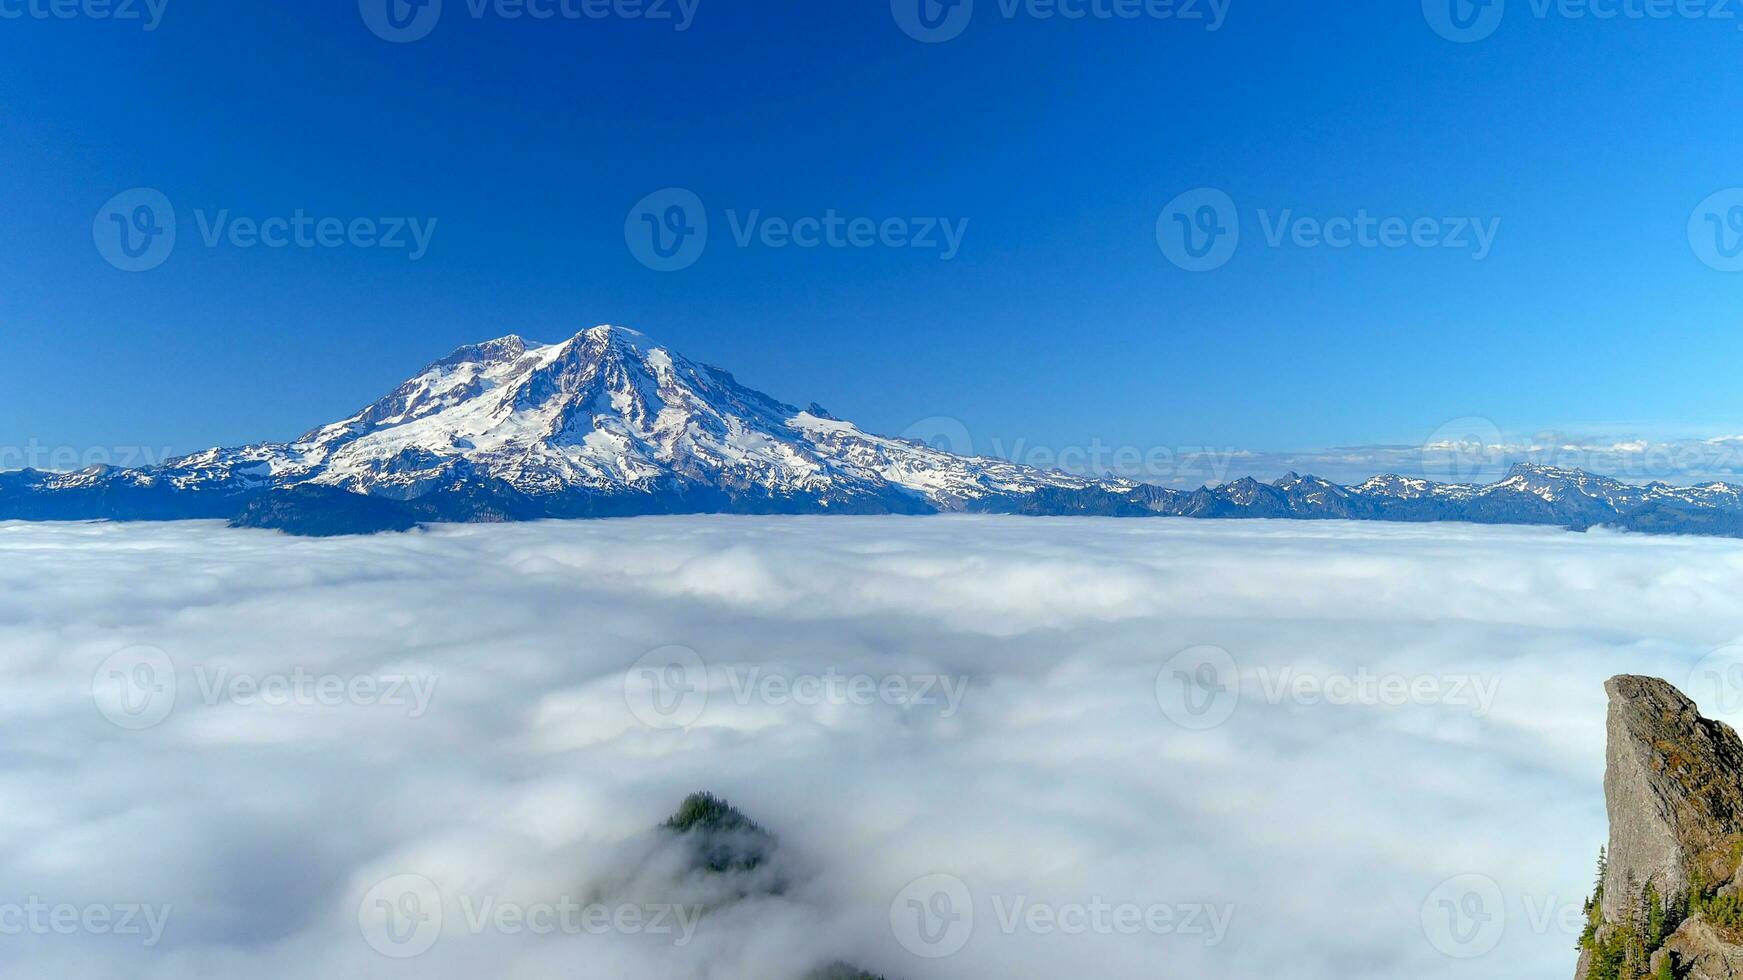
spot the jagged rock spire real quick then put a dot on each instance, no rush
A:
(1673, 788)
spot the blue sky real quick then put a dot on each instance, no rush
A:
(523, 148)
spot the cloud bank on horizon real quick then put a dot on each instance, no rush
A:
(1469, 450)
(991, 747)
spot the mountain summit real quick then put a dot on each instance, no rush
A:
(604, 423)
(608, 423)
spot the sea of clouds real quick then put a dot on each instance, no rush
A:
(991, 747)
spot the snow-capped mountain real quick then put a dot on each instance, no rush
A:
(604, 422)
(608, 423)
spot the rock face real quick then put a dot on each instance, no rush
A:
(1700, 950)
(1673, 788)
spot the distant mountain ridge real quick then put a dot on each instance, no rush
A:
(607, 423)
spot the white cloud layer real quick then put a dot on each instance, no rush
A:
(1361, 767)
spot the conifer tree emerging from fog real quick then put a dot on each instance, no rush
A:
(728, 842)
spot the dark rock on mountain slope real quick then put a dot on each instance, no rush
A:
(607, 424)
(321, 512)
(1670, 897)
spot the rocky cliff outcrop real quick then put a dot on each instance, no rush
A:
(1670, 898)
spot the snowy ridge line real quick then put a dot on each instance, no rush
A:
(607, 423)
